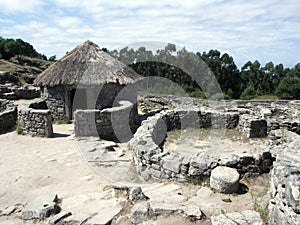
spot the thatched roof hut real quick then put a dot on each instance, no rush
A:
(87, 65)
(85, 78)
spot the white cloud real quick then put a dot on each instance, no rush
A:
(12, 6)
(266, 30)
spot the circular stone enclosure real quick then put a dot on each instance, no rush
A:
(153, 161)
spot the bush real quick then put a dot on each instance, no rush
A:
(248, 93)
(289, 88)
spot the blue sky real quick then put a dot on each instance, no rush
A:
(266, 30)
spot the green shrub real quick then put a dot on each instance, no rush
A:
(289, 88)
(248, 93)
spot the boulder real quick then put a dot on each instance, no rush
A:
(224, 179)
(139, 212)
(136, 194)
(40, 207)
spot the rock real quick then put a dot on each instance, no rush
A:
(105, 215)
(58, 217)
(173, 162)
(169, 208)
(40, 207)
(136, 194)
(76, 219)
(123, 220)
(139, 212)
(224, 179)
(164, 208)
(192, 211)
(243, 218)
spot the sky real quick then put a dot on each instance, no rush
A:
(263, 30)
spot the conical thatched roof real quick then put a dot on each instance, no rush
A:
(87, 65)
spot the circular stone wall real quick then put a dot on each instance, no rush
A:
(152, 161)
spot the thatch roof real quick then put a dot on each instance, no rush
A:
(87, 65)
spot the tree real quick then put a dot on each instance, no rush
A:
(52, 58)
(248, 93)
(289, 88)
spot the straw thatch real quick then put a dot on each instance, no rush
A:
(86, 65)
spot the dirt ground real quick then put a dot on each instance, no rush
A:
(33, 166)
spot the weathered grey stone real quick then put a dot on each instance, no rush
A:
(139, 212)
(123, 220)
(58, 217)
(192, 211)
(172, 162)
(169, 208)
(136, 194)
(248, 217)
(104, 216)
(224, 179)
(76, 219)
(40, 207)
(284, 207)
(164, 208)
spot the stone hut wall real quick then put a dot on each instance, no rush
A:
(36, 122)
(8, 119)
(55, 97)
(152, 162)
(58, 98)
(116, 123)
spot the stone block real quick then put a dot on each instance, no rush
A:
(224, 179)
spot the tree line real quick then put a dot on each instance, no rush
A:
(252, 80)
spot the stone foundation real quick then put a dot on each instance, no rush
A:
(116, 123)
(152, 162)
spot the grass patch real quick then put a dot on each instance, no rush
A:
(266, 97)
(64, 121)
(19, 130)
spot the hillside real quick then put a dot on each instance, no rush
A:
(21, 70)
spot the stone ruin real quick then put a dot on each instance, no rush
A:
(277, 121)
(35, 119)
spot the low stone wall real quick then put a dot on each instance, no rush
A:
(8, 119)
(116, 123)
(36, 122)
(284, 207)
(152, 162)
(14, 93)
(253, 127)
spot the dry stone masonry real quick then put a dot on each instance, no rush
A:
(284, 207)
(116, 123)
(152, 162)
(36, 122)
